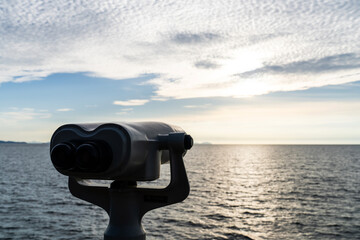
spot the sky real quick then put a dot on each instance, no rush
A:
(227, 72)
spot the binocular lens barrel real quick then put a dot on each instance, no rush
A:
(63, 156)
(88, 156)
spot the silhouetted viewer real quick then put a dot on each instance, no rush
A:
(125, 153)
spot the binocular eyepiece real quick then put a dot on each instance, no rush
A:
(117, 151)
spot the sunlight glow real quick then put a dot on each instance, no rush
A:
(242, 60)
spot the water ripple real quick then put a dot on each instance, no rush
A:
(237, 192)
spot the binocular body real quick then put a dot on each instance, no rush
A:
(111, 151)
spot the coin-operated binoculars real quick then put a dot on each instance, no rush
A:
(125, 153)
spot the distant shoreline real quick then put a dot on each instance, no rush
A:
(227, 144)
(12, 142)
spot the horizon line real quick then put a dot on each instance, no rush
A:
(210, 143)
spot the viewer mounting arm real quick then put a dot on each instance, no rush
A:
(124, 201)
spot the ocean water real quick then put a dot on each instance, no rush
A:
(237, 192)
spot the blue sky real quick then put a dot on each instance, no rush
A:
(227, 72)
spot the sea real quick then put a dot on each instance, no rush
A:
(237, 192)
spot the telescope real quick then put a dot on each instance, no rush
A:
(125, 153)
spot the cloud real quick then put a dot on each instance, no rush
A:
(258, 38)
(190, 47)
(327, 64)
(64, 109)
(194, 38)
(124, 111)
(205, 64)
(198, 106)
(20, 114)
(133, 102)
